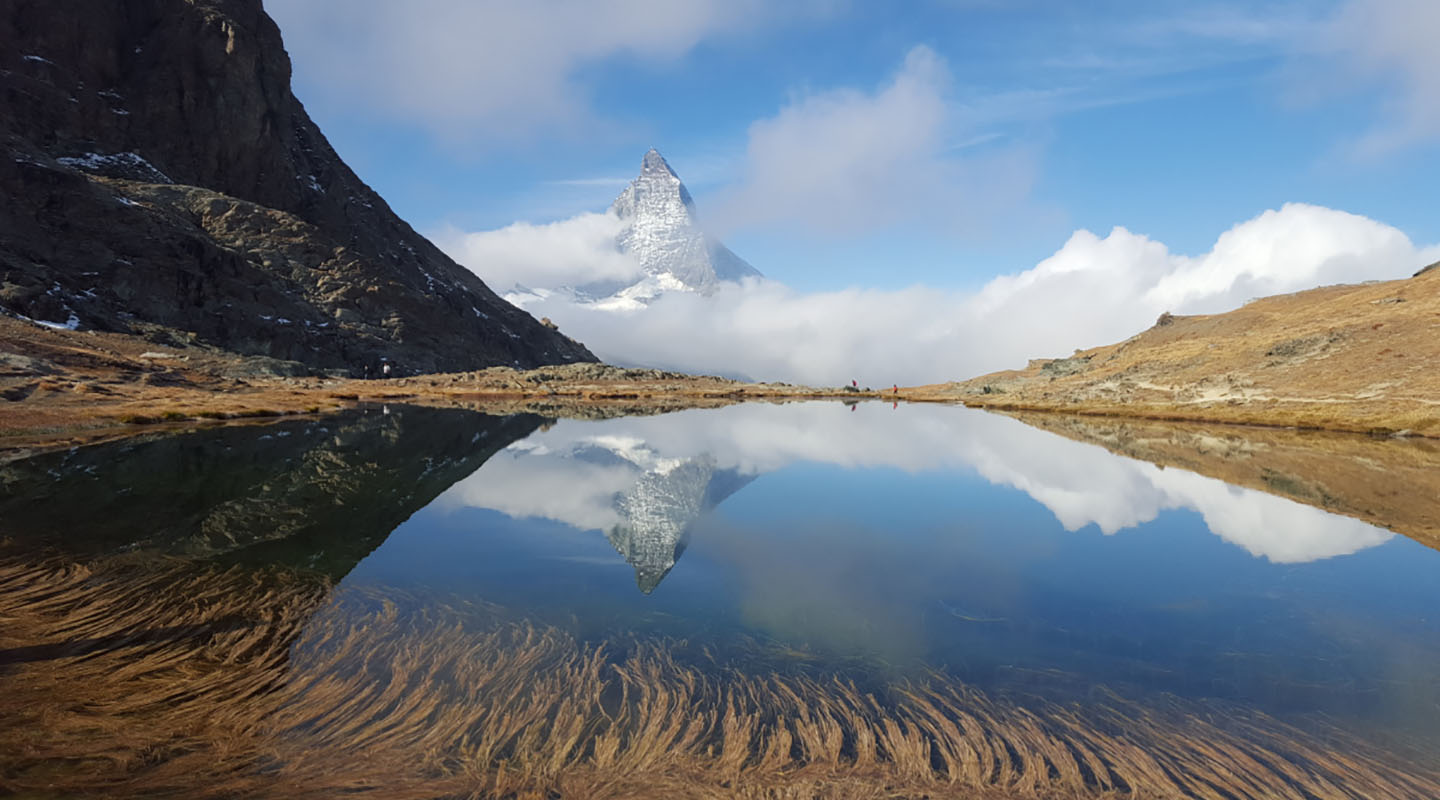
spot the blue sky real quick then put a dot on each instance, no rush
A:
(1175, 120)
(935, 189)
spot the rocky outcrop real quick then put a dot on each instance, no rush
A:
(157, 171)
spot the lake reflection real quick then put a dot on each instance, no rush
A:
(847, 581)
(897, 535)
(585, 476)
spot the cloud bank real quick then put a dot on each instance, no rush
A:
(1094, 290)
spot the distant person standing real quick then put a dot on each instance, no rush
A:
(385, 369)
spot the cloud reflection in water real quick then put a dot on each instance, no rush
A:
(587, 474)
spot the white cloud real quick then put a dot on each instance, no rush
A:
(527, 483)
(490, 68)
(1389, 45)
(846, 161)
(570, 252)
(1094, 290)
(1297, 247)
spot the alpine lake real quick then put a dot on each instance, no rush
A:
(802, 600)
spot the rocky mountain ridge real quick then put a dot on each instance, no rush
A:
(160, 178)
(662, 233)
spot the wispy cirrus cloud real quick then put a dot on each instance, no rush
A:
(617, 181)
(1389, 47)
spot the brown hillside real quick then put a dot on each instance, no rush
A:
(1350, 358)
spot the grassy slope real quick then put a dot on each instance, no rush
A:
(1350, 358)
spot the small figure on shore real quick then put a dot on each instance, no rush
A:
(367, 372)
(854, 383)
(895, 388)
(385, 369)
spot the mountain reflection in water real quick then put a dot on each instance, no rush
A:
(308, 493)
(601, 475)
(435, 602)
(645, 502)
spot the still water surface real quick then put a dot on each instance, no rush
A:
(873, 547)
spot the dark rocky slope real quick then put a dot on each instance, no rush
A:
(160, 178)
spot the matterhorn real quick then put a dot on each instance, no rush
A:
(662, 233)
(659, 229)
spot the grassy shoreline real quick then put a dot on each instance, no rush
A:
(65, 388)
(1354, 359)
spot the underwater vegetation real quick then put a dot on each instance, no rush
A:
(133, 677)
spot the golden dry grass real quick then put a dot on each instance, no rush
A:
(132, 680)
(1346, 358)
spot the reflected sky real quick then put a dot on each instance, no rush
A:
(936, 537)
(574, 472)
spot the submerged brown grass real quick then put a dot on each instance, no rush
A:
(136, 680)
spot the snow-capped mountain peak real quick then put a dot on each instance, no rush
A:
(654, 163)
(662, 232)
(659, 229)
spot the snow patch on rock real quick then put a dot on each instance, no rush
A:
(117, 165)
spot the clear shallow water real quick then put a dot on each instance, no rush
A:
(882, 545)
(935, 536)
